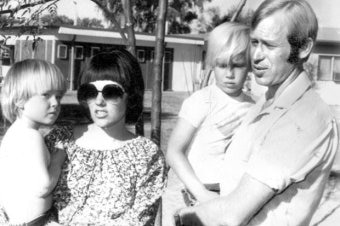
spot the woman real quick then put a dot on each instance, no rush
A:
(111, 177)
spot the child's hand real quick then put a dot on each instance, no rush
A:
(59, 154)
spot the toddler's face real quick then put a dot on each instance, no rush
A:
(230, 76)
(42, 109)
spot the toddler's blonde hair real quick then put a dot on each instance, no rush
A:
(226, 42)
(25, 79)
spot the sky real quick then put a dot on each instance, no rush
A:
(327, 11)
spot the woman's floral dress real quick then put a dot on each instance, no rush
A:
(121, 186)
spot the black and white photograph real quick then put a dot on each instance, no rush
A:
(169, 112)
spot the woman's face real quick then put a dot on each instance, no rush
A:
(107, 112)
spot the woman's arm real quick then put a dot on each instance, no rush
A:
(179, 142)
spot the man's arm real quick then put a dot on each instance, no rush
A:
(237, 208)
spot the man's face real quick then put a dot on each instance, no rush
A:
(270, 50)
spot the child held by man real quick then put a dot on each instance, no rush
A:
(209, 117)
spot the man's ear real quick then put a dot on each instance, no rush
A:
(306, 49)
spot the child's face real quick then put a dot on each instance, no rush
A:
(107, 112)
(42, 109)
(230, 77)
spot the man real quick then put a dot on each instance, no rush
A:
(279, 160)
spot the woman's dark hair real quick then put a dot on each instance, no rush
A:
(122, 67)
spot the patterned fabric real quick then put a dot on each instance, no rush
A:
(108, 187)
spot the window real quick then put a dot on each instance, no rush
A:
(62, 51)
(167, 56)
(329, 68)
(336, 69)
(6, 54)
(79, 52)
(95, 50)
(141, 55)
(152, 55)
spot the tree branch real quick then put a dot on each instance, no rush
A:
(111, 17)
(238, 10)
(28, 5)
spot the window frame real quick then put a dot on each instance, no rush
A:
(64, 56)
(76, 48)
(94, 48)
(332, 58)
(141, 59)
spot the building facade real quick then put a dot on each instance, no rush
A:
(69, 47)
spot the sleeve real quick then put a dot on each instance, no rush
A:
(58, 136)
(289, 154)
(195, 108)
(149, 186)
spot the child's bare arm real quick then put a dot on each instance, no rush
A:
(43, 167)
(179, 141)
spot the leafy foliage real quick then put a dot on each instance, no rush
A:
(56, 20)
(211, 17)
(90, 23)
(180, 13)
(25, 12)
(187, 11)
(25, 15)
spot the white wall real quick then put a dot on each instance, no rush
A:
(4, 70)
(187, 65)
(329, 92)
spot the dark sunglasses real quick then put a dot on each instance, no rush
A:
(88, 91)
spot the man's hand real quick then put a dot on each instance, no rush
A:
(237, 208)
(187, 217)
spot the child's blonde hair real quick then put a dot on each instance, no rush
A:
(25, 79)
(226, 42)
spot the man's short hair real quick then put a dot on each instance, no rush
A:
(300, 18)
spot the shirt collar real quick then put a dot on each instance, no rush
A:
(291, 94)
(294, 91)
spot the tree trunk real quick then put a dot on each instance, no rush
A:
(156, 107)
(131, 47)
(129, 26)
